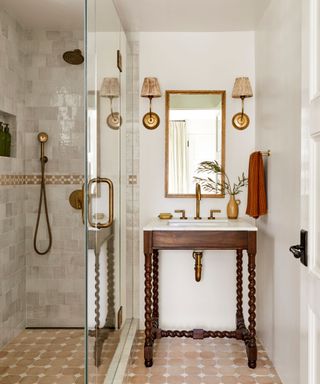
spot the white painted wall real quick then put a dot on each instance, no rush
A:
(278, 128)
(193, 61)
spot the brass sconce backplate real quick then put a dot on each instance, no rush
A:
(114, 120)
(241, 121)
(151, 120)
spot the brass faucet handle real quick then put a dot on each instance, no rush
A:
(183, 213)
(212, 211)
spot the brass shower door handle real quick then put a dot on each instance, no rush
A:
(101, 180)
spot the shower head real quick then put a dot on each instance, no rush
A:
(73, 57)
(43, 137)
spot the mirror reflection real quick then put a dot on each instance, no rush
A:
(195, 132)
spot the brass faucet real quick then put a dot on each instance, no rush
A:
(198, 199)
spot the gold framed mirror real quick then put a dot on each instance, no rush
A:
(195, 132)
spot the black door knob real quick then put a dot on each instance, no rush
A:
(300, 251)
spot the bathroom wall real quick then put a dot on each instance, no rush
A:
(278, 81)
(54, 103)
(12, 218)
(194, 61)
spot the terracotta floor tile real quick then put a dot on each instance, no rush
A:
(3, 370)
(267, 380)
(193, 371)
(53, 371)
(210, 380)
(175, 370)
(207, 355)
(54, 355)
(246, 380)
(48, 380)
(11, 379)
(29, 380)
(191, 355)
(229, 380)
(175, 379)
(192, 380)
(214, 361)
(58, 354)
(139, 379)
(210, 370)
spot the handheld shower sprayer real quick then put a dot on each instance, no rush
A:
(42, 138)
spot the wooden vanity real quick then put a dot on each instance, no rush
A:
(235, 235)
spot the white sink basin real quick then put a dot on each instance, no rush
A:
(197, 223)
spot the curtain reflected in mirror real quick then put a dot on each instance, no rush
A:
(178, 156)
(195, 132)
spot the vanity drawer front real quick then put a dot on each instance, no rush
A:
(200, 240)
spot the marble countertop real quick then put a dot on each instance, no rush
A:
(199, 225)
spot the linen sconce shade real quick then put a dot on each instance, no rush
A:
(242, 88)
(110, 87)
(150, 87)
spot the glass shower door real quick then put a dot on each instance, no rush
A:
(105, 190)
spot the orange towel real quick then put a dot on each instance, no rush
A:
(257, 197)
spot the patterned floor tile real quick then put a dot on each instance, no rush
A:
(55, 356)
(208, 361)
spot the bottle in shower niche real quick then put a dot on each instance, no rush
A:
(2, 140)
(7, 140)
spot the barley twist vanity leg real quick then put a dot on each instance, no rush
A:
(251, 340)
(155, 276)
(148, 345)
(239, 315)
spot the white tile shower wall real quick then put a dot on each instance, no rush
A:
(55, 282)
(54, 104)
(194, 61)
(12, 218)
(12, 262)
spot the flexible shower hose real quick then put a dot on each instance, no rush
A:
(43, 197)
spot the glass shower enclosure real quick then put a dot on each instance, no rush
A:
(66, 267)
(108, 189)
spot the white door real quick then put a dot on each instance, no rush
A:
(310, 193)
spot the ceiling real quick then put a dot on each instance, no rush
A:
(139, 15)
(190, 15)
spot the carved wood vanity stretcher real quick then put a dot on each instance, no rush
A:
(156, 239)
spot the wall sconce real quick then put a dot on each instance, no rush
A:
(111, 88)
(241, 90)
(151, 89)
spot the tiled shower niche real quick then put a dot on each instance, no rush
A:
(10, 119)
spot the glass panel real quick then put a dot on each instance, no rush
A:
(315, 264)
(42, 282)
(109, 305)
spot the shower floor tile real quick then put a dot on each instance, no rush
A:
(208, 361)
(54, 357)
(43, 357)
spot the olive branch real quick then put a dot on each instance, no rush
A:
(222, 186)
